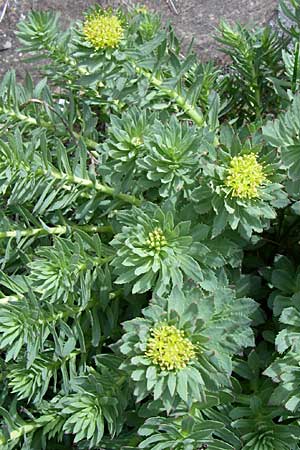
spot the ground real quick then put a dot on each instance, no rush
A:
(193, 19)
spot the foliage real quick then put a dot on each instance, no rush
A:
(149, 238)
(207, 365)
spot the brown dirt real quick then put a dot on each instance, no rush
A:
(196, 19)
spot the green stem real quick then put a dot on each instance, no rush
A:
(29, 427)
(96, 185)
(127, 198)
(10, 298)
(192, 112)
(296, 68)
(33, 122)
(63, 315)
(61, 229)
(258, 106)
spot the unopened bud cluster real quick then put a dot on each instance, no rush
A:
(169, 348)
(136, 141)
(156, 239)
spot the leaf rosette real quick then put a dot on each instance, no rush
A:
(186, 433)
(240, 184)
(105, 38)
(182, 346)
(153, 252)
(172, 157)
(125, 144)
(96, 42)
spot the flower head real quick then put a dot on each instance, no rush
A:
(245, 176)
(169, 349)
(156, 240)
(103, 30)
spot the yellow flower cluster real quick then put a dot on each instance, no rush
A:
(103, 30)
(245, 175)
(156, 239)
(169, 349)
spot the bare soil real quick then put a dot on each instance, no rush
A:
(193, 20)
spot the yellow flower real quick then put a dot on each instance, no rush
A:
(156, 240)
(169, 349)
(245, 176)
(103, 30)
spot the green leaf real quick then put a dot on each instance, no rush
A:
(182, 385)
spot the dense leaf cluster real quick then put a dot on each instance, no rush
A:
(149, 239)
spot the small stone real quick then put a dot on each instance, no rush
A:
(6, 45)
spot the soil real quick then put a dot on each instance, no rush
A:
(193, 20)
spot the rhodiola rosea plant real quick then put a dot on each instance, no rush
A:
(149, 239)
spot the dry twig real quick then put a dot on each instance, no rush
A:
(173, 7)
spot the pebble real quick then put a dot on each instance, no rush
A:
(6, 45)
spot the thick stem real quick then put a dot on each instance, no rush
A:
(192, 112)
(258, 106)
(127, 198)
(29, 428)
(97, 186)
(33, 122)
(61, 229)
(296, 68)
